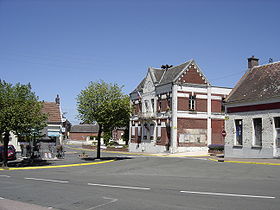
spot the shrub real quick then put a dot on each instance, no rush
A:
(219, 147)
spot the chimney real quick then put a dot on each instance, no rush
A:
(253, 62)
(57, 99)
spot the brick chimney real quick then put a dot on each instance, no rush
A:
(253, 62)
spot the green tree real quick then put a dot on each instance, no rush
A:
(20, 113)
(105, 104)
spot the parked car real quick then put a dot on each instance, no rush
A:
(11, 152)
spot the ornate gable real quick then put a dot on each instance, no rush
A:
(149, 84)
(192, 74)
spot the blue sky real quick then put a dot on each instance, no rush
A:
(59, 46)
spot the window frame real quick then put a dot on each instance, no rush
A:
(254, 121)
(238, 141)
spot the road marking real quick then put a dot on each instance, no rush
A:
(59, 166)
(2, 198)
(227, 194)
(106, 198)
(5, 176)
(47, 180)
(118, 186)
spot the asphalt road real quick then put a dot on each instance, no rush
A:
(132, 183)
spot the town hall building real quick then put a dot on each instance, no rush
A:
(176, 109)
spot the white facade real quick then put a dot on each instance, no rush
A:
(249, 149)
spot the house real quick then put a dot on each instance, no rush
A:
(118, 135)
(53, 131)
(253, 110)
(84, 132)
(176, 109)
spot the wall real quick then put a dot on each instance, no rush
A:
(247, 150)
(217, 127)
(80, 136)
(194, 131)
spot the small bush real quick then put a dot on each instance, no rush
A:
(219, 147)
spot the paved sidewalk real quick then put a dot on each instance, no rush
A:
(263, 161)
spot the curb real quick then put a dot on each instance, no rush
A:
(244, 162)
(58, 166)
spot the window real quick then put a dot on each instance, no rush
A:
(152, 127)
(153, 104)
(277, 127)
(145, 131)
(223, 105)
(169, 100)
(238, 129)
(159, 105)
(257, 131)
(192, 102)
(133, 130)
(147, 105)
(139, 130)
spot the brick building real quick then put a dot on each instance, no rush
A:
(253, 110)
(84, 132)
(176, 109)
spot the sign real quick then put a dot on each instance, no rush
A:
(224, 133)
(53, 133)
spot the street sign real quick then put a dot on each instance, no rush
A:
(224, 133)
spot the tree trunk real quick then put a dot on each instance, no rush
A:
(99, 142)
(5, 152)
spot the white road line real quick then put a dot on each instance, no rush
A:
(227, 194)
(5, 176)
(47, 180)
(2, 198)
(112, 201)
(117, 186)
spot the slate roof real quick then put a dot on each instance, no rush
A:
(53, 112)
(257, 84)
(173, 72)
(84, 128)
(163, 76)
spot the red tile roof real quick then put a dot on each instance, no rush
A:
(53, 111)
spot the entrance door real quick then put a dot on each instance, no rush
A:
(277, 137)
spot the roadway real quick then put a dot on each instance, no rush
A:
(137, 182)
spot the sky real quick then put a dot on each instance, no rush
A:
(59, 46)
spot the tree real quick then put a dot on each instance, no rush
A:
(105, 104)
(20, 113)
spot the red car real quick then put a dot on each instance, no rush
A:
(11, 152)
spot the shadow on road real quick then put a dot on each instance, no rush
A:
(106, 158)
(28, 163)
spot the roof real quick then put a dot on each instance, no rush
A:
(84, 128)
(162, 76)
(172, 73)
(259, 83)
(53, 111)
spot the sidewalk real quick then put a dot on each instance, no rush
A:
(263, 161)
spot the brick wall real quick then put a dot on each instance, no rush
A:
(81, 136)
(183, 104)
(187, 123)
(217, 127)
(216, 106)
(201, 105)
(192, 76)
